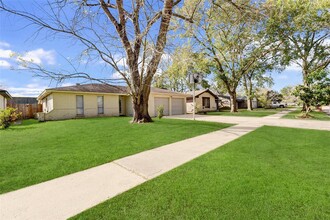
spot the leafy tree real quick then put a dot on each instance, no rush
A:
(232, 38)
(316, 92)
(288, 96)
(175, 77)
(252, 80)
(303, 26)
(266, 97)
(112, 31)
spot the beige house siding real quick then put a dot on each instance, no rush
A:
(59, 105)
(151, 104)
(3, 102)
(153, 109)
(64, 105)
(129, 106)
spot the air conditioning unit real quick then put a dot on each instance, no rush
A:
(41, 116)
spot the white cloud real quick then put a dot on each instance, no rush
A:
(4, 64)
(67, 84)
(4, 44)
(5, 53)
(117, 75)
(39, 56)
(28, 91)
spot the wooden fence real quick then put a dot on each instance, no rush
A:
(28, 110)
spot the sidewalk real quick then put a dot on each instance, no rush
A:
(67, 196)
(271, 120)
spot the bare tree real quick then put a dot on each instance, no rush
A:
(115, 31)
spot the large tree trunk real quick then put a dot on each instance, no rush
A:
(141, 114)
(305, 74)
(140, 107)
(249, 103)
(247, 82)
(233, 101)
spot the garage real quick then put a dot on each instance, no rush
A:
(177, 106)
(164, 102)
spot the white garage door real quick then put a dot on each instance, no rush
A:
(177, 106)
(164, 102)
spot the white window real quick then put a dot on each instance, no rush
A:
(80, 104)
(100, 105)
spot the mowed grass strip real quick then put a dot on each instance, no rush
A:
(260, 112)
(322, 116)
(35, 152)
(271, 173)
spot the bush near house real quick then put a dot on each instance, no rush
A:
(8, 116)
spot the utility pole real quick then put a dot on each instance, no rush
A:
(194, 100)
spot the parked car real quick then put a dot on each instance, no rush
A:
(278, 105)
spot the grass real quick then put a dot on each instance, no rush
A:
(35, 152)
(271, 173)
(315, 115)
(260, 112)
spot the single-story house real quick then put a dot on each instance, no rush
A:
(205, 100)
(4, 97)
(241, 102)
(92, 100)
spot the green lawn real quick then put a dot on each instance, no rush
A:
(315, 115)
(35, 152)
(260, 112)
(271, 173)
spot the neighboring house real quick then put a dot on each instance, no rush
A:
(241, 102)
(4, 97)
(205, 100)
(92, 100)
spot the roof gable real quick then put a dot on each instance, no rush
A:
(200, 92)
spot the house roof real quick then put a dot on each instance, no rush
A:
(100, 88)
(5, 94)
(199, 92)
(24, 100)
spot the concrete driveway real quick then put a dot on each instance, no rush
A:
(271, 120)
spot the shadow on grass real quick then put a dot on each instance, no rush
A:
(24, 125)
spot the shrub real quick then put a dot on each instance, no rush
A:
(160, 111)
(8, 116)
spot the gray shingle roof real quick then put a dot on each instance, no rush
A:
(93, 87)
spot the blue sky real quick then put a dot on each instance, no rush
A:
(49, 51)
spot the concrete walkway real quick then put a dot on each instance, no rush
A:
(271, 120)
(67, 196)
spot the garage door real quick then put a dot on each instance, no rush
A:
(177, 106)
(164, 102)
